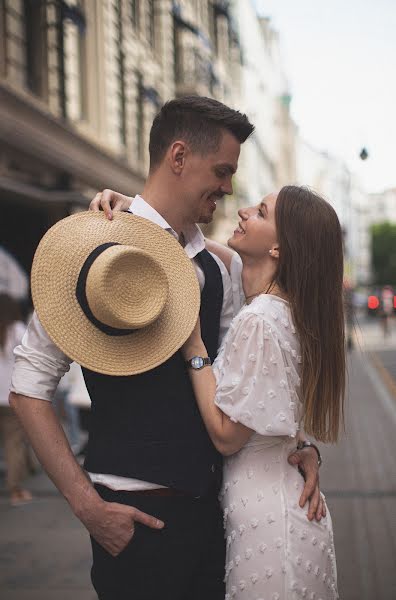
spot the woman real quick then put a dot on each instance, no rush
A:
(11, 332)
(281, 367)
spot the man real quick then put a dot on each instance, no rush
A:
(194, 150)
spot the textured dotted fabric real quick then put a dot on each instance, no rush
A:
(273, 551)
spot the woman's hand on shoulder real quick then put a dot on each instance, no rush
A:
(110, 202)
(225, 254)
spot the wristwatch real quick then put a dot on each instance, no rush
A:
(198, 362)
(308, 444)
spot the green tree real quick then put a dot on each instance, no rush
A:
(383, 253)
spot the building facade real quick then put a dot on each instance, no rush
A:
(330, 177)
(268, 161)
(80, 83)
(268, 157)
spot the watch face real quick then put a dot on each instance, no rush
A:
(197, 362)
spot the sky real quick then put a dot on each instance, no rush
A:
(340, 60)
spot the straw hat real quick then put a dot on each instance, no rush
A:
(119, 297)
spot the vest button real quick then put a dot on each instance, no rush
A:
(213, 468)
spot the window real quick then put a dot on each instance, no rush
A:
(3, 44)
(64, 27)
(73, 25)
(121, 75)
(176, 51)
(151, 23)
(212, 18)
(22, 37)
(134, 13)
(35, 46)
(139, 117)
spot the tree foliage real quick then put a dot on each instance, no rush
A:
(383, 253)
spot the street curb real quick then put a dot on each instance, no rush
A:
(386, 377)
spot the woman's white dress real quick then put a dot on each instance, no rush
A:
(273, 551)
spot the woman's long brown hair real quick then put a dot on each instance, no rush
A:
(310, 272)
(9, 313)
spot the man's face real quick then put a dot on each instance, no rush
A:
(207, 178)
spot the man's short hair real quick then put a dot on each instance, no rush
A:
(197, 120)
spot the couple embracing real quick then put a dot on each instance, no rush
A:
(198, 425)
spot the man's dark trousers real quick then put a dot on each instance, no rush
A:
(183, 561)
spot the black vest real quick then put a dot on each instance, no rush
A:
(148, 426)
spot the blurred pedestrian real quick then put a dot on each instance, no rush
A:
(386, 311)
(11, 332)
(13, 279)
(349, 313)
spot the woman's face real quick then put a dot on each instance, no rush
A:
(256, 234)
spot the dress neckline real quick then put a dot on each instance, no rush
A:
(271, 296)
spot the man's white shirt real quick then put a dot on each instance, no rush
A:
(40, 364)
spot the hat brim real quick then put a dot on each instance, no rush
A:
(56, 267)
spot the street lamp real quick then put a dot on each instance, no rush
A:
(363, 154)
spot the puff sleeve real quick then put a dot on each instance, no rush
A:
(252, 382)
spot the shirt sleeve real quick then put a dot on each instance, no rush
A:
(39, 363)
(18, 331)
(252, 383)
(227, 309)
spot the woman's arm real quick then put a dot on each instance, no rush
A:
(227, 436)
(225, 254)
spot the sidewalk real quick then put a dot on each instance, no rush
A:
(368, 335)
(45, 551)
(359, 480)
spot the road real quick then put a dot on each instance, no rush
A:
(45, 552)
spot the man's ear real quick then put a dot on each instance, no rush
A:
(177, 156)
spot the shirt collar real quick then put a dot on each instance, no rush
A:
(195, 241)
(193, 236)
(141, 208)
